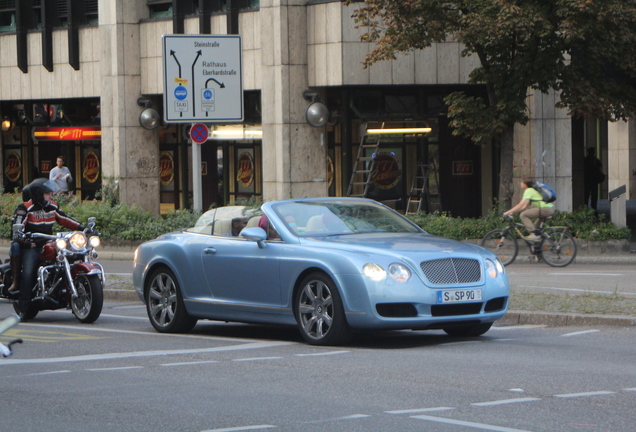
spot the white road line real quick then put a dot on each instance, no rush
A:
(241, 428)
(322, 354)
(256, 359)
(414, 411)
(468, 424)
(576, 290)
(189, 363)
(115, 368)
(351, 417)
(585, 274)
(111, 356)
(579, 333)
(505, 401)
(517, 327)
(630, 389)
(596, 393)
(49, 373)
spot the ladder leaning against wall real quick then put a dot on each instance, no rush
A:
(362, 169)
(423, 195)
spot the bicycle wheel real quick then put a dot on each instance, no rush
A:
(502, 243)
(559, 249)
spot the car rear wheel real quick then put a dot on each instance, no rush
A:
(164, 303)
(319, 312)
(468, 330)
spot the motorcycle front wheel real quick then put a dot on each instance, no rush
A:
(90, 298)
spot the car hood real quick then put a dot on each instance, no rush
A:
(403, 244)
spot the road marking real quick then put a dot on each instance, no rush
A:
(505, 401)
(577, 290)
(322, 354)
(241, 428)
(45, 336)
(572, 395)
(630, 389)
(517, 327)
(189, 363)
(585, 274)
(579, 333)
(115, 368)
(256, 359)
(49, 373)
(413, 411)
(468, 424)
(351, 417)
(134, 354)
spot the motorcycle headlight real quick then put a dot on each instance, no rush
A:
(94, 241)
(60, 244)
(77, 241)
(374, 272)
(399, 272)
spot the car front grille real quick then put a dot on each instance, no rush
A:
(452, 271)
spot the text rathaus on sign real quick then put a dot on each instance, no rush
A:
(202, 78)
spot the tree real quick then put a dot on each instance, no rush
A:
(583, 49)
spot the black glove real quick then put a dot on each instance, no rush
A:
(81, 227)
(17, 237)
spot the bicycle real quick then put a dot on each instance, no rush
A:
(556, 246)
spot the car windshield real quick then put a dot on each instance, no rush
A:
(325, 218)
(225, 221)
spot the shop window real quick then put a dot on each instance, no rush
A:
(7, 15)
(160, 8)
(91, 12)
(62, 12)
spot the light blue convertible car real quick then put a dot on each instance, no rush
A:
(330, 266)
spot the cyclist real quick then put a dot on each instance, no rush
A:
(532, 208)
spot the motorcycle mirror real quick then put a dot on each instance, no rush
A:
(92, 221)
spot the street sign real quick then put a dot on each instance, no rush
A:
(199, 133)
(202, 78)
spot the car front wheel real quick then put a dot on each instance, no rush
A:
(164, 303)
(319, 312)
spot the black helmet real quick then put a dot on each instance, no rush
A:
(39, 187)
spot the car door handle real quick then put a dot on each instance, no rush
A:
(209, 251)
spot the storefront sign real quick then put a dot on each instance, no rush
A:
(166, 168)
(463, 167)
(386, 172)
(245, 174)
(91, 167)
(79, 133)
(45, 166)
(13, 167)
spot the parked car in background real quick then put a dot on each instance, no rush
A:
(330, 266)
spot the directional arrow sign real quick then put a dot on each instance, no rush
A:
(202, 78)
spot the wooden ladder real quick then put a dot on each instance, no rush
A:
(422, 194)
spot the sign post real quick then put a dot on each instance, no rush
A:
(203, 83)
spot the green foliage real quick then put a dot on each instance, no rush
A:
(583, 224)
(115, 222)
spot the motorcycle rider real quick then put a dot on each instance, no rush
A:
(38, 216)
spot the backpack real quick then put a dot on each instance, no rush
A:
(547, 193)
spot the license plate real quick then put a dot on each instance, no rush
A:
(458, 296)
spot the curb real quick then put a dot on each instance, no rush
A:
(512, 317)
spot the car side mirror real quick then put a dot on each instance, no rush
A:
(255, 234)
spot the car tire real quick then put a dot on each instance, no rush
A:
(468, 330)
(319, 311)
(164, 303)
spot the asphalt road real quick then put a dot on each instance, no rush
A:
(120, 375)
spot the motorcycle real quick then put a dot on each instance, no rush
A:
(68, 275)
(6, 324)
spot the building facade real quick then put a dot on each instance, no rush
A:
(75, 76)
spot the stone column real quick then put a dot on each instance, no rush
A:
(294, 153)
(129, 152)
(621, 156)
(543, 148)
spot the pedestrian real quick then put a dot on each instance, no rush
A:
(61, 175)
(592, 177)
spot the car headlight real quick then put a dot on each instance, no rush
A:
(77, 241)
(491, 268)
(499, 265)
(94, 241)
(374, 272)
(61, 244)
(399, 272)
